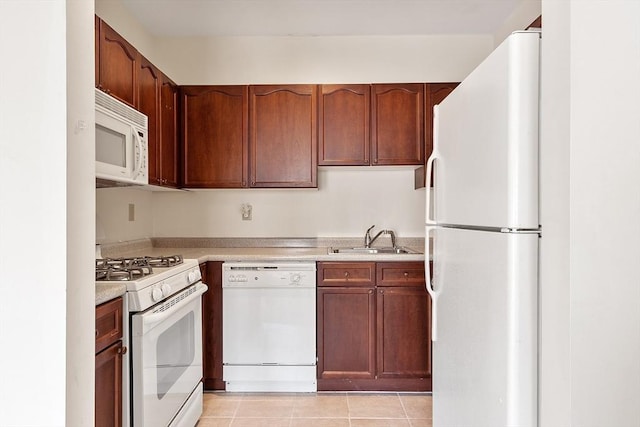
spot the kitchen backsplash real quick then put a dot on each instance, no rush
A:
(347, 201)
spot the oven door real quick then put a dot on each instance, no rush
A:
(167, 357)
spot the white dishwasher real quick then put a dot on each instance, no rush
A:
(269, 326)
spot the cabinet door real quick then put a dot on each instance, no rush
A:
(149, 103)
(343, 125)
(212, 327)
(119, 63)
(283, 135)
(397, 124)
(168, 135)
(403, 333)
(108, 397)
(346, 333)
(214, 132)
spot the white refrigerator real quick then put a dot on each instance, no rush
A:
(483, 223)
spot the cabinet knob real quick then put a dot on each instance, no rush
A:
(122, 350)
(97, 332)
(346, 274)
(406, 275)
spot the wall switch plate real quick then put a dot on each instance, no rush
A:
(132, 212)
(246, 211)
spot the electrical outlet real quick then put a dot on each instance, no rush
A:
(246, 211)
(132, 212)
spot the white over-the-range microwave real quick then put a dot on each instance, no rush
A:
(121, 143)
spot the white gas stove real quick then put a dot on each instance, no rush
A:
(149, 280)
(162, 370)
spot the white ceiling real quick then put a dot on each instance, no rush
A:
(320, 17)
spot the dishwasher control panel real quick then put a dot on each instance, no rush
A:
(267, 275)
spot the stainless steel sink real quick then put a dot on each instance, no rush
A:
(362, 250)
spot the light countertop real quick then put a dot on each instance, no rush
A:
(204, 250)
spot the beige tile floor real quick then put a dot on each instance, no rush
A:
(316, 409)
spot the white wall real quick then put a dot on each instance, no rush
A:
(590, 291)
(521, 18)
(605, 231)
(555, 334)
(112, 214)
(33, 213)
(350, 200)
(80, 215)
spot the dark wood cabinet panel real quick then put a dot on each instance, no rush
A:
(212, 326)
(108, 397)
(346, 333)
(108, 323)
(343, 124)
(118, 65)
(108, 364)
(346, 274)
(167, 162)
(397, 124)
(149, 104)
(283, 136)
(397, 304)
(400, 274)
(403, 334)
(214, 135)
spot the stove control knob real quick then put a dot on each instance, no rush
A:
(156, 294)
(192, 276)
(166, 289)
(295, 277)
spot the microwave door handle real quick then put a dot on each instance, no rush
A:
(138, 140)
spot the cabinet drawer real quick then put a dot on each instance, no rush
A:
(346, 273)
(400, 274)
(108, 323)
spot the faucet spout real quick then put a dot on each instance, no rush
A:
(368, 240)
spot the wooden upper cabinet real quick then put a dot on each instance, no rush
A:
(397, 124)
(343, 124)
(283, 136)
(149, 104)
(118, 64)
(214, 131)
(168, 135)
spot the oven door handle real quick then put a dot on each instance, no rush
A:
(150, 320)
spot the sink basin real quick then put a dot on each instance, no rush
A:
(362, 250)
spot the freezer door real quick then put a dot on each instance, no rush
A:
(485, 355)
(485, 156)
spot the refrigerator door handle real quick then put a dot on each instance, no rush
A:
(430, 219)
(429, 284)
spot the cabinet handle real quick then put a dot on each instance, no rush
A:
(370, 291)
(406, 275)
(346, 275)
(122, 350)
(97, 332)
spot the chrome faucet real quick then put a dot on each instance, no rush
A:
(368, 240)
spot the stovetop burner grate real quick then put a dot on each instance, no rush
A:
(127, 269)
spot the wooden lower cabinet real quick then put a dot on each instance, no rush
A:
(212, 326)
(373, 337)
(108, 364)
(109, 386)
(346, 333)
